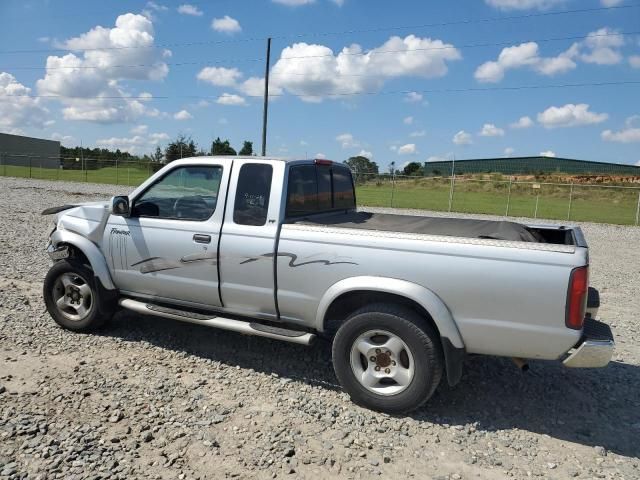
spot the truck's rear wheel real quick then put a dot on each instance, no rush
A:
(72, 298)
(387, 358)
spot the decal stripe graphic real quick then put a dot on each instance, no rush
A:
(293, 258)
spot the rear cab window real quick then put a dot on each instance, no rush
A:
(319, 188)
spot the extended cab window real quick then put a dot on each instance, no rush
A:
(318, 188)
(252, 194)
(185, 193)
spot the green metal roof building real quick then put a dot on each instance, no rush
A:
(529, 166)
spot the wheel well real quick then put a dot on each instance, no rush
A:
(77, 255)
(349, 302)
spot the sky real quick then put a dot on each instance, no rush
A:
(393, 81)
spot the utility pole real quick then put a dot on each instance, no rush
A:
(266, 99)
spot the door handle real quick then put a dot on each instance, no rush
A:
(200, 238)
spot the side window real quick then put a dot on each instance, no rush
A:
(302, 192)
(185, 193)
(252, 194)
(343, 189)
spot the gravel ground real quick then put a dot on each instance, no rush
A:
(151, 398)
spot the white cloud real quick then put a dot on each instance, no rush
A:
(523, 122)
(413, 97)
(311, 70)
(602, 47)
(138, 144)
(294, 3)
(231, 99)
(521, 56)
(548, 153)
(220, 76)
(67, 76)
(570, 115)
(610, 3)
(155, 138)
(462, 138)
(634, 61)
(418, 133)
(408, 120)
(226, 24)
(187, 9)
(182, 115)
(523, 4)
(509, 151)
(139, 129)
(437, 158)
(66, 140)
(321, 156)
(490, 130)
(19, 110)
(346, 140)
(151, 8)
(157, 7)
(629, 134)
(365, 153)
(408, 149)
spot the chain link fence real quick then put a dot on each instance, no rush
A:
(506, 197)
(77, 169)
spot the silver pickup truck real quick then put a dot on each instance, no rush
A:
(276, 248)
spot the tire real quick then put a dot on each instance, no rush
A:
(397, 377)
(72, 297)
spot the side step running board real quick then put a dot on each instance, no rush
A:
(248, 328)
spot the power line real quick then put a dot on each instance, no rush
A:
(378, 52)
(468, 21)
(339, 94)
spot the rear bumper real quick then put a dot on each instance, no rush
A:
(595, 348)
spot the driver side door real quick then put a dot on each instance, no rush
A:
(167, 248)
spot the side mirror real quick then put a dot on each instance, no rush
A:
(120, 206)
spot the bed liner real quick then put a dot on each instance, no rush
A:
(451, 227)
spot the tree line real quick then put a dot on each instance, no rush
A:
(78, 158)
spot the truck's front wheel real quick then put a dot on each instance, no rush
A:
(72, 298)
(387, 358)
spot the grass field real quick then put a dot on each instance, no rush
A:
(592, 204)
(124, 174)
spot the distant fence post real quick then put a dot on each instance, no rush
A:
(638, 209)
(29, 166)
(506, 213)
(451, 189)
(570, 201)
(535, 213)
(116, 171)
(393, 186)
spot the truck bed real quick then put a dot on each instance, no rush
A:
(453, 227)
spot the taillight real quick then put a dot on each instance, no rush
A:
(577, 298)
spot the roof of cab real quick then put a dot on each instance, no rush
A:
(258, 157)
